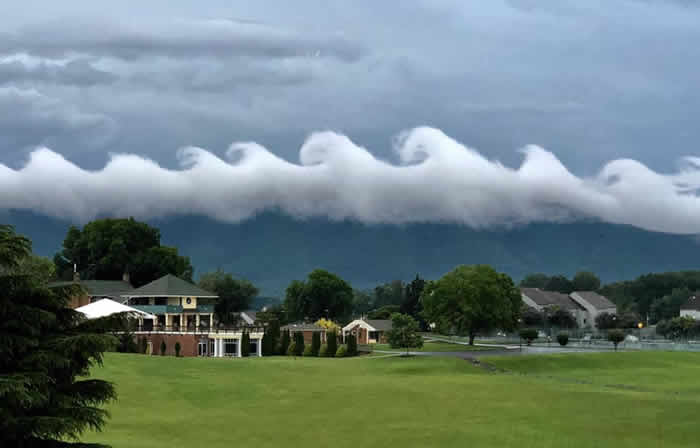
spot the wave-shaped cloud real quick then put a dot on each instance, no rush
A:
(437, 179)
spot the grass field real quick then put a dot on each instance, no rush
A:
(629, 399)
(435, 346)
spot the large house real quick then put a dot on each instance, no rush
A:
(585, 306)
(368, 331)
(184, 313)
(691, 308)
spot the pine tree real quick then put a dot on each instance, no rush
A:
(315, 343)
(163, 348)
(332, 342)
(284, 343)
(351, 342)
(245, 344)
(46, 352)
(299, 341)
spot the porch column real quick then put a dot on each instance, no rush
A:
(259, 345)
(220, 344)
(196, 321)
(211, 320)
(216, 348)
(238, 346)
(167, 320)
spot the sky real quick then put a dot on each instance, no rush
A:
(482, 113)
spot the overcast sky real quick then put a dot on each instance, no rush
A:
(590, 81)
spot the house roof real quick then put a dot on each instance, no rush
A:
(251, 314)
(170, 286)
(693, 302)
(550, 298)
(302, 327)
(98, 288)
(107, 307)
(595, 299)
(380, 324)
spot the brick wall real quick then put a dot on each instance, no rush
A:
(188, 343)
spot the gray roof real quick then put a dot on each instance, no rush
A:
(251, 314)
(693, 302)
(550, 298)
(170, 286)
(302, 327)
(98, 288)
(595, 299)
(380, 324)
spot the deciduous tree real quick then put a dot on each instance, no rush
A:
(471, 300)
(323, 294)
(404, 332)
(585, 281)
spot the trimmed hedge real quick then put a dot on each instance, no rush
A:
(298, 343)
(163, 348)
(284, 342)
(308, 351)
(292, 349)
(178, 347)
(342, 351)
(332, 343)
(315, 343)
(323, 350)
(563, 338)
(245, 344)
(351, 342)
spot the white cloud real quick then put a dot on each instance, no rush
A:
(437, 179)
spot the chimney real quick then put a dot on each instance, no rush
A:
(126, 278)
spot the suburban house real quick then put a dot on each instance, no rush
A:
(691, 308)
(92, 290)
(368, 331)
(585, 306)
(307, 330)
(594, 304)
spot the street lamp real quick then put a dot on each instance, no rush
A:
(640, 325)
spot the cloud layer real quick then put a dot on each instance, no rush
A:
(436, 179)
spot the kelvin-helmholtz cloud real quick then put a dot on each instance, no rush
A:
(436, 179)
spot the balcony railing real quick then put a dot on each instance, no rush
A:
(201, 329)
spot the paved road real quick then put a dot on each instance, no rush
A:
(476, 354)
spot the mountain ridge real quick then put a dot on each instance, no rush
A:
(273, 249)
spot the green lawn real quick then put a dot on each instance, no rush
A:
(627, 399)
(436, 346)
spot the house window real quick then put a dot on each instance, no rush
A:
(254, 347)
(139, 301)
(230, 347)
(161, 301)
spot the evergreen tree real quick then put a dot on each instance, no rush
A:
(245, 344)
(332, 342)
(178, 347)
(46, 353)
(351, 342)
(299, 341)
(273, 333)
(163, 348)
(284, 343)
(315, 343)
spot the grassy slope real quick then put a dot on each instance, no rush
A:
(166, 402)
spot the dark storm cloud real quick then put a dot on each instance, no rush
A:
(596, 83)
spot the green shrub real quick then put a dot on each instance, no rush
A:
(143, 345)
(323, 350)
(528, 334)
(178, 347)
(332, 343)
(342, 351)
(308, 351)
(351, 342)
(292, 349)
(298, 343)
(163, 348)
(315, 343)
(563, 338)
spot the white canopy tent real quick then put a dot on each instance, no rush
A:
(107, 307)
